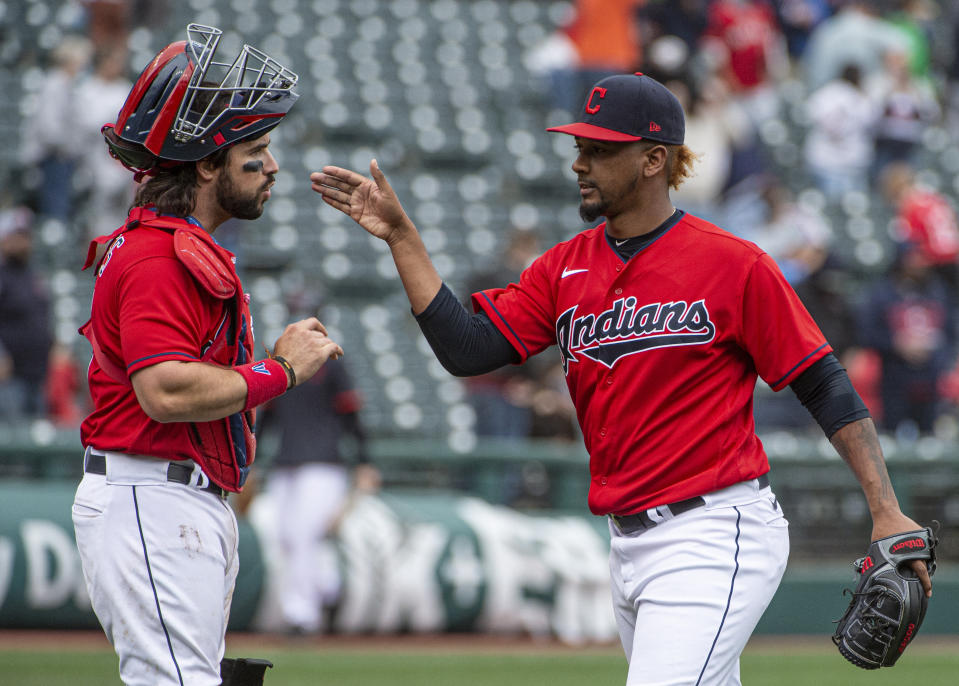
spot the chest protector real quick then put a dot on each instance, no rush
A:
(224, 448)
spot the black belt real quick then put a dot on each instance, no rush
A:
(632, 523)
(175, 472)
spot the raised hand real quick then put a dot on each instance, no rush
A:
(371, 203)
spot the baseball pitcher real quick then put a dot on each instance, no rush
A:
(663, 322)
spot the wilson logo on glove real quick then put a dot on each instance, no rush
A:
(911, 543)
(889, 604)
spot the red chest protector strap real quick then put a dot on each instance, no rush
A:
(195, 249)
(193, 246)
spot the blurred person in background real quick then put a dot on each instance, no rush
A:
(906, 106)
(800, 239)
(909, 320)
(744, 39)
(52, 140)
(683, 19)
(743, 48)
(716, 127)
(311, 483)
(925, 217)
(65, 388)
(605, 34)
(108, 187)
(947, 59)
(554, 416)
(915, 21)
(599, 38)
(855, 35)
(796, 237)
(108, 21)
(798, 19)
(838, 149)
(25, 330)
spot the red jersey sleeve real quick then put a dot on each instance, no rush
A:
(777, 330)
(162, 315)
(523, 312)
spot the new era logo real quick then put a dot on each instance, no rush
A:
(653, 126)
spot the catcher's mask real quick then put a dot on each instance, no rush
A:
(186, 105)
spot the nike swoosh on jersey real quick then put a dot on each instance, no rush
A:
(569, 272)
(620, 242)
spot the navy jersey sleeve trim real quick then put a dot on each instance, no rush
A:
(797, 366)
(151, 357)
(506, 324)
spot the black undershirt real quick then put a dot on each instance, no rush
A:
(630, 246)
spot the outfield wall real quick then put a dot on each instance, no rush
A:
(414, 562)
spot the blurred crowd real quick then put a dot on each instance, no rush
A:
(876, 79)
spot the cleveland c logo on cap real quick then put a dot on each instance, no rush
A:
(590, 107)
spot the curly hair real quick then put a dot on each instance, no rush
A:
(681, 161)
(173, 189)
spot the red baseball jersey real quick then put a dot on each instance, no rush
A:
(661, 354)
(147, 309)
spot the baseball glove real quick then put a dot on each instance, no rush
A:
(888, 605)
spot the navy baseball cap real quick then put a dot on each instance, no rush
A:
(630, 107)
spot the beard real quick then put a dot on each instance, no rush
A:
(241, 206)
(614, 199)
(591, 211)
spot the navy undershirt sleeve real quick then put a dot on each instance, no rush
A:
(826, 391)
(465, 344)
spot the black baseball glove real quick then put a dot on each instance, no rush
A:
(889, 604)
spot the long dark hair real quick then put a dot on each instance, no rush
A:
(173, 189)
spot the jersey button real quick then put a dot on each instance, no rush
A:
(609, 381)
(618, 291)
(619, 269)
(603, 481)
(602, 432)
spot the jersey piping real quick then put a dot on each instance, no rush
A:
(729, 598)
(164, 354)
(796, 366)
(507, 325)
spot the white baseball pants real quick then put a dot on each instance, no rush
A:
(160, 562)
(688, 592)
(309, 499)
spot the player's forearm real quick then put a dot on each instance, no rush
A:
(189, 391)
(858, 444)
(420, 278)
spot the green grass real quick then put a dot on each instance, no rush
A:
(317, 665)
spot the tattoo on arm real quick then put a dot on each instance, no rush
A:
(858, 444)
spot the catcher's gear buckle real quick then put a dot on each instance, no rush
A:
(888, 604)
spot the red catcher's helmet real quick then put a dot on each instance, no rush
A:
(186, 105)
